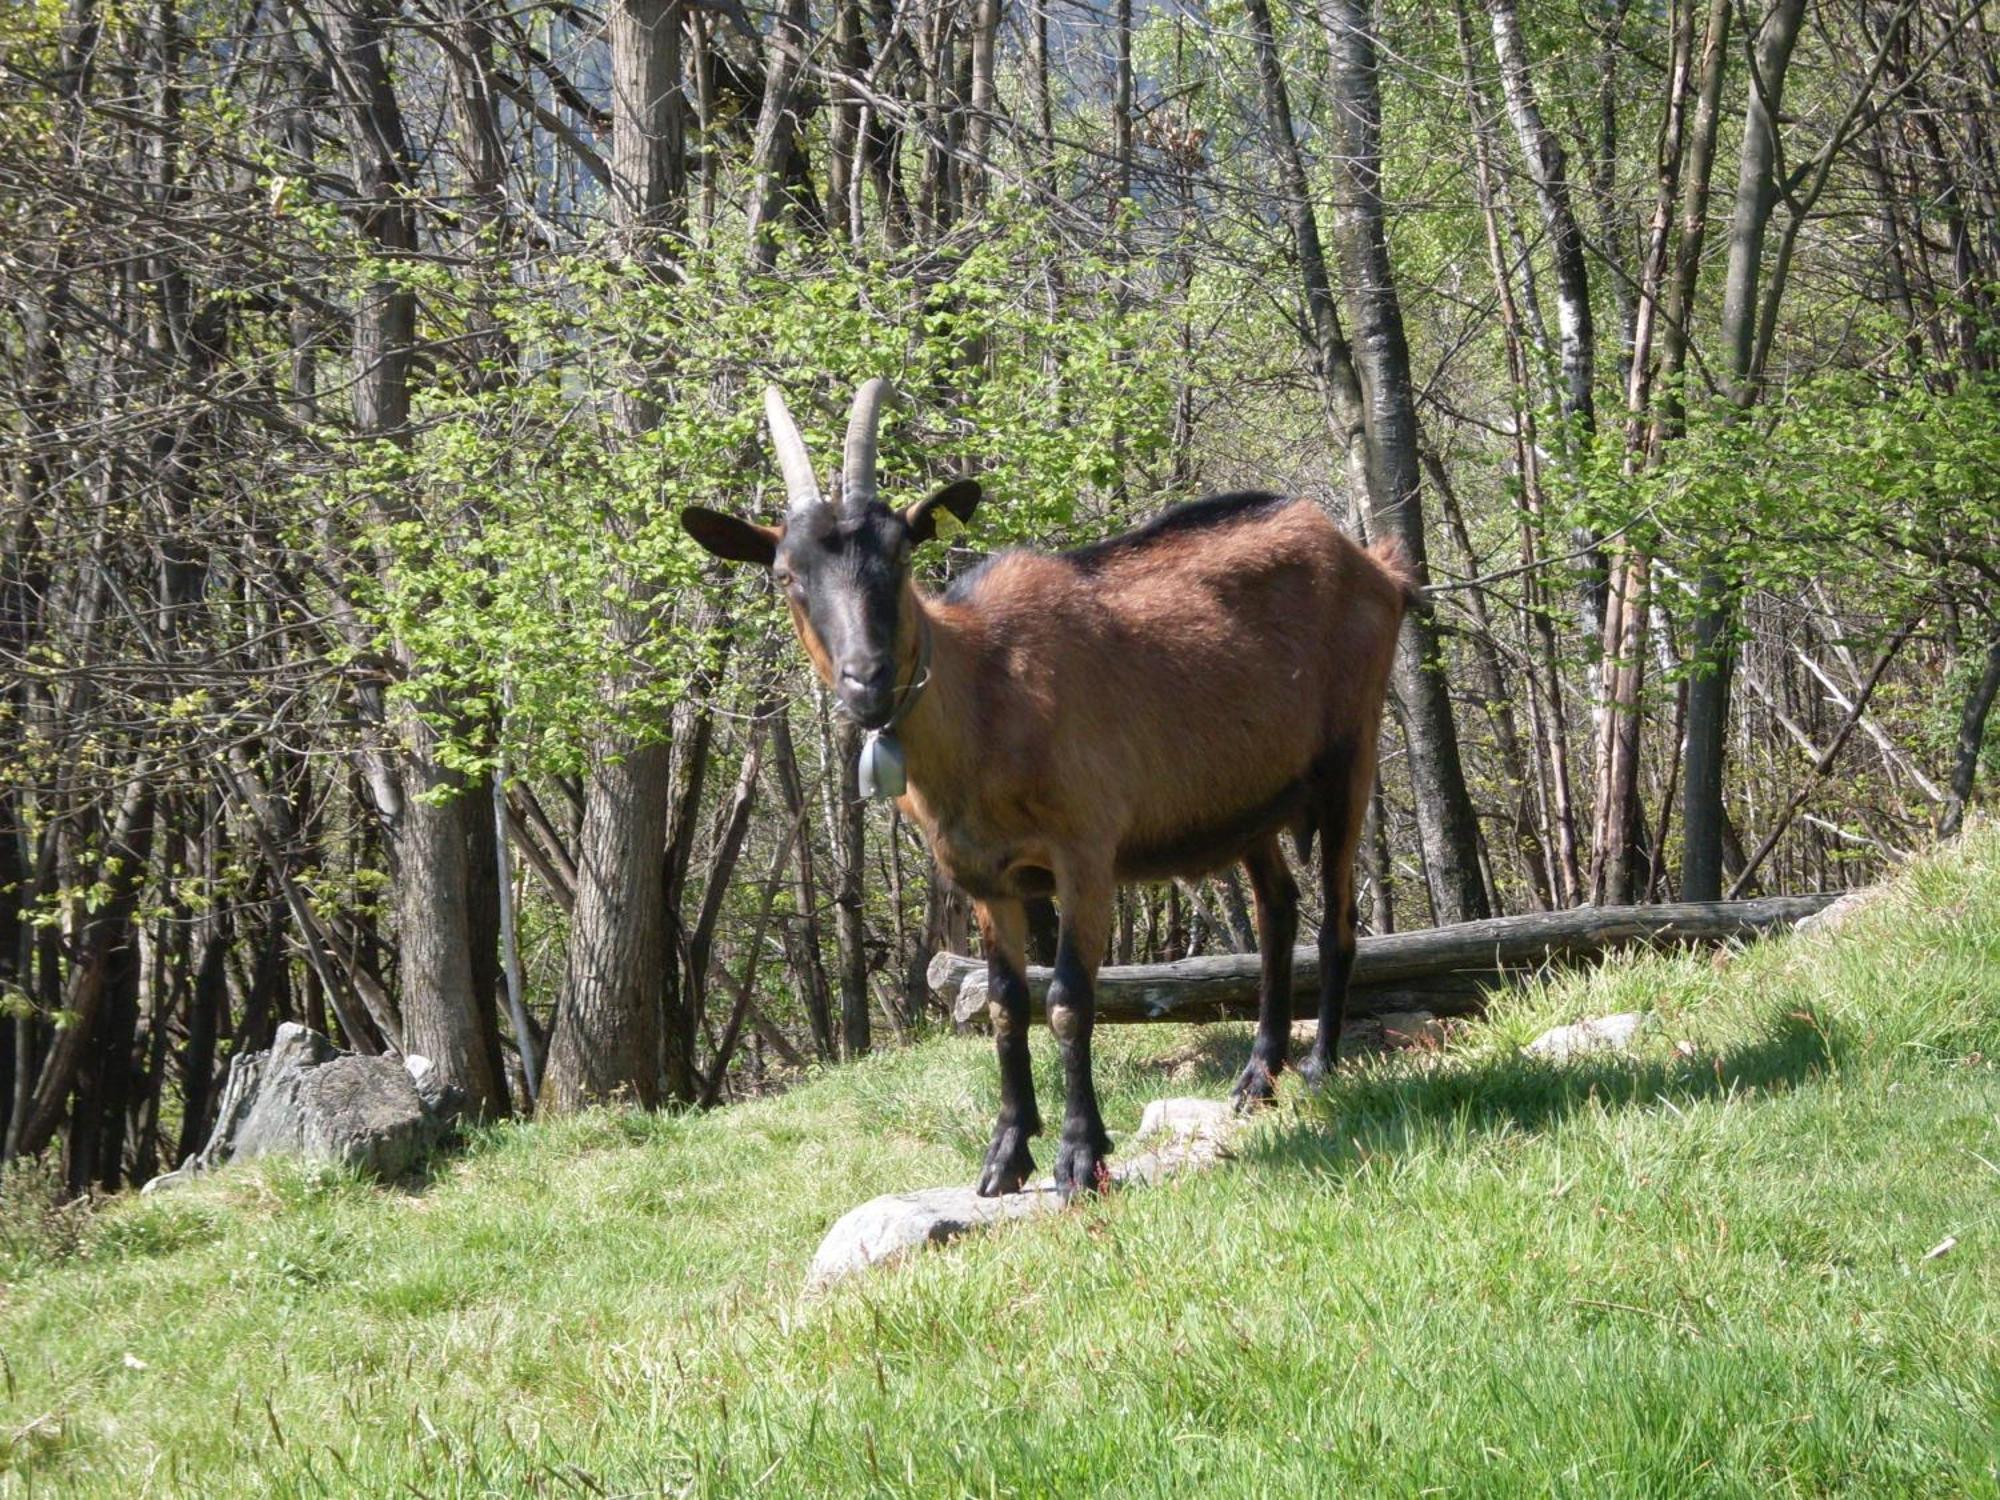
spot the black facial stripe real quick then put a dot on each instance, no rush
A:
(849, 573)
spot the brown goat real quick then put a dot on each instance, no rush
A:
(1163, 703)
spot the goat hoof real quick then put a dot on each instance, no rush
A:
(1082, 1165)
(1008, 1164)
(1316, 1068)
(1255, 1087)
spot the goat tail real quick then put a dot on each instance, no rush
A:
(1389, 554)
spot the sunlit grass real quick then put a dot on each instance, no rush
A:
(1700, 1269)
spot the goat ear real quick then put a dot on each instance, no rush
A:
(729, 538)
(961, 497)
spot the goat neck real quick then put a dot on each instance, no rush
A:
(933, 734)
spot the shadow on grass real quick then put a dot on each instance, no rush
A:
(1390, 1102)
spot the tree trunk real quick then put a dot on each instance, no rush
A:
(1445, 819)
(777, 126)
(850, 926)
(1576, 336)
(1441, 968)
(1708, 691)
(818, 992)
(1971, 740)
(882, 137)
(610, 1038)
(648, 150)
(1333, 360)
(1490, 679)
(1547, 719)
(984, 102)
(850, 54)
(1617, 845)
(106, 935)
(441, 1017)
(608, 1035)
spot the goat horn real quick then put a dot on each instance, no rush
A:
(801, 488)
(857, 484)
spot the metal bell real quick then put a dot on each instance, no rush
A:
(881, 772)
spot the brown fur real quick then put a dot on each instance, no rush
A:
(1157, 715)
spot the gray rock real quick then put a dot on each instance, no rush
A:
(1186, 1121)
(887, 1226)
(445, 1100)
(307, 1098)
(1183, 1134)
(1836, 915)
(1602, 1034)
(365, 1113)
(181, 1176)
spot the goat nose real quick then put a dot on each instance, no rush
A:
(867, 692)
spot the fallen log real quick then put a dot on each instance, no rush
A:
(1446, 970)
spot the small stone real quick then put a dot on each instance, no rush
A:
(1833, 917)
(1391, 1030)
(888, 1226)
(166, 1182)
(1603, 1034)
(1182, 1119)
(1184, 1135)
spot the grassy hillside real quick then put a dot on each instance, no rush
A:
(1697, 1270)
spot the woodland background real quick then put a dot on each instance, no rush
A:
(357, 355)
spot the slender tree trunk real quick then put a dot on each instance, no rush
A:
(1603, 175)
(850, 925)
(83, 992)
(1971, 739)
(207, 1009)
(1547, 718)
(1333, 359)
(1702, 813)
(1618, 843)
(1576, 338)
(777, 128)
(1491, 679)
(428, 819)
(818, 992)
(985, 101)
(722, 867)
(1445, 819)
(1045, 111)
(850, 53)
(611, 1033)
(881, 136)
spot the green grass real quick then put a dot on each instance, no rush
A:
(1699, 1270)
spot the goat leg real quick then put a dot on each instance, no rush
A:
(1082, 1160)
(1277, 929)
(1008, 1166)
(1341, 819)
